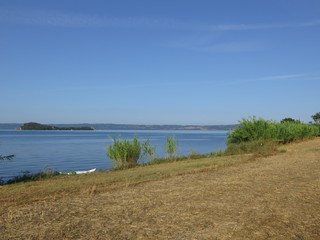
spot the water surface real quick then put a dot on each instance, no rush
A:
(82, 150)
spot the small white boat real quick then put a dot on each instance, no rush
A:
(81, 172)
(89, 171)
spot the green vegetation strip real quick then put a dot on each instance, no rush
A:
(253, 129)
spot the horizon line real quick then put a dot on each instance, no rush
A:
(139, 124)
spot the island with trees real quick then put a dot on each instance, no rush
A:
(38, 126)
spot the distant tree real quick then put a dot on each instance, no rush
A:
(290, 120)
(38, 126)
(316, 117)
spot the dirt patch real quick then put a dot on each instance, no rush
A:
(272, 198)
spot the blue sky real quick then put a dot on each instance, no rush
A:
(158, 62)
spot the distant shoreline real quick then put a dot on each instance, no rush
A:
(110, 126)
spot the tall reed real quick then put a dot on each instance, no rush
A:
(171, 147)
(124, 153)
(148, 149)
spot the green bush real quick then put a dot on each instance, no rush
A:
(253, 129)
(124, 153)
(250, 129)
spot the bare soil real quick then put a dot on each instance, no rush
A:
(276, 197)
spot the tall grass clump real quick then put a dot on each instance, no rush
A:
(171, 147)
(124, 153)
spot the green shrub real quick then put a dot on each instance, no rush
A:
(253, 129)
(124, 153)
(249, 130)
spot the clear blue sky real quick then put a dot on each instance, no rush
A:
(158, 62)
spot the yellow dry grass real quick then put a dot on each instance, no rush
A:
(61, 186)
(277, 197)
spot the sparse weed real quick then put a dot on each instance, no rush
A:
(197, 155)
(148, 149)
(261, 147)
(166, 160)
(217, 154)
(26, 176)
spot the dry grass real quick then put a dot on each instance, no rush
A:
(274, 198)
(60, 186)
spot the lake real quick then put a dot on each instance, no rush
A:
(66, 151)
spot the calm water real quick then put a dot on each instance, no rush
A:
(82, 150)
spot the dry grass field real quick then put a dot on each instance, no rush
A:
(234, 197)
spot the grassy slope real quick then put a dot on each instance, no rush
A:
(275, 197)
(60, 186)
